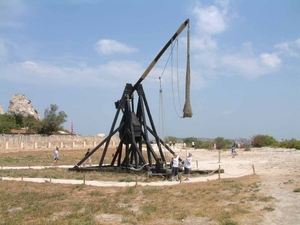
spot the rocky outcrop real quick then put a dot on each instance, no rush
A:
(19, 105)
(1, 110)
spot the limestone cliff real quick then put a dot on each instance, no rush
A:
(1, 110)
(19, 105)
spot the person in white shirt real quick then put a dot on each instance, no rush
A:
(56, 157)
(175, 162)
(187, 166)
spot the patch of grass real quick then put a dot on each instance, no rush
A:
(150, 191)
(229, 222)
(269, 208)
(265, 198)
(224, 200)
(297, 190)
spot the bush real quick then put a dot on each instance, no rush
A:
(222, 143)
(293, 143)
(259, 141)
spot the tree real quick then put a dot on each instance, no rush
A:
(263, 141)
(7, 122)
(222, 143)
(53, 120)
(31, 124)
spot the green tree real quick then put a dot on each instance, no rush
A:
(293, 143)
(7, 122)
(221, 143)
(53, 120)
(31, 124)
(263, 141)
(170, 138)
(189, 141)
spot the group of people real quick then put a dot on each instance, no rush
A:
(187, 166)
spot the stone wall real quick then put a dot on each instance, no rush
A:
(35, 142)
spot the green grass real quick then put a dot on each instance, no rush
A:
(297, 190)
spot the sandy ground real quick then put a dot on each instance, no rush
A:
(279, 170)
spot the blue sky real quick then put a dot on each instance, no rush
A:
(79, 54)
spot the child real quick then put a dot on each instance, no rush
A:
(233, 152)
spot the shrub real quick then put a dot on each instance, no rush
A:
(263, 141)
(293, 143)
(221, 143)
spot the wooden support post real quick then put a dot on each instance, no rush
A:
(219, 156)
(253, 169)
(50, 178)
(135, 180)
(219, 171)
(84, 179)
(197, 164)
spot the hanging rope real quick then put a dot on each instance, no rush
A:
(162, 120)
(187, 110)
(172, 77)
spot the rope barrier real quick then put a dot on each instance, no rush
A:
(238, 175)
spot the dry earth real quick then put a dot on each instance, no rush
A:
(279, 171)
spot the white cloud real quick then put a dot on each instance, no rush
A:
(298, 42)
(108, 46)
(210, 20)
(204, 43)
(271, 60)
(105, 75)
(217, 60)
(289, 48)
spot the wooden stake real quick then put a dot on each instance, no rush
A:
(253, 169)
(219, 171)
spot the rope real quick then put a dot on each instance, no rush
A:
(173, 95)
(237, 175)
(132, 168)
(178, 91)
(162, 120)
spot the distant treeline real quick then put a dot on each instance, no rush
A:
(257, 141)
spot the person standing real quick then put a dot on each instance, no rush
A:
(89, 160)
(233, 152)
(187, 166)
(175, 162)
(56, 157)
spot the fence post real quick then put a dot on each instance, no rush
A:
(253, 169)
(135, 180)
(219, 156)
(84, 179)
(197, 164)
(219, 171)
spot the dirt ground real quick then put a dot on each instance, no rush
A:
(278, 169)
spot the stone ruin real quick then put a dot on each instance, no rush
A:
(19, 105)
(1, 110)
